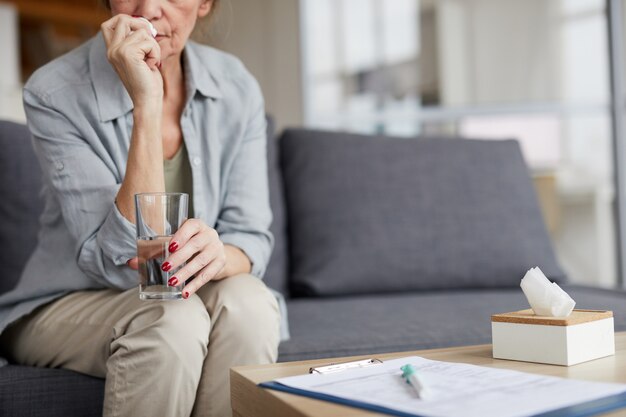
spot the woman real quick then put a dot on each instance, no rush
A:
(106, 118)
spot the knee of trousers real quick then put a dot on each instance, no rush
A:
(168, 331)
(249, 308)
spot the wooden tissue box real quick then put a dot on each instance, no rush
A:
(582, 336)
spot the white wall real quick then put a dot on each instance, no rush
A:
(498, 51)
(265, 36)
(10, 83)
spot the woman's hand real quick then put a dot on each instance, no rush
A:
(136, 57)
(199, 246)
(206, 256)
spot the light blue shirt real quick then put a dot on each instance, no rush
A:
(80, 117)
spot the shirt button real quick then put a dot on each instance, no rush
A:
(196, 161)
(59, 166)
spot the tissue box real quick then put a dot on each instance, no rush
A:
(582, 336)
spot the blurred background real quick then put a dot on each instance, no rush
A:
(534, 70)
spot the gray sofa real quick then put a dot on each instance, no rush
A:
(381, 245)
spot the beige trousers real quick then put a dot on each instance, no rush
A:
(159, 358)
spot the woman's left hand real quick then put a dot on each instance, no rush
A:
(200, 246)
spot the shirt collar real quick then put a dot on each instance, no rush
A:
(111, 96)
(198, 74)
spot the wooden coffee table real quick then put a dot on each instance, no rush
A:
(248, 400)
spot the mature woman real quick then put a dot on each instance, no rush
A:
(127, 113)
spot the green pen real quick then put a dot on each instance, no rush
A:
(410, 375)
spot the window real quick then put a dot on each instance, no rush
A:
(533, 70)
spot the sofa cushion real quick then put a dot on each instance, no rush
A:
(277, 268)
(369, 214)
(347, 326)
(20, 184)
(42, 392)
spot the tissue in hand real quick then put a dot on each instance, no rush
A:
(546, 298)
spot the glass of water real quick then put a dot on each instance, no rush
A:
(158, 217)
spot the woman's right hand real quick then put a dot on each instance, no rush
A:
(136, 57)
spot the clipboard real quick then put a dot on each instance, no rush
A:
(588, 409)
(343, 366)
(585, 409)
(335, 367)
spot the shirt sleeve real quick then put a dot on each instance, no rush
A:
(245, 216)
(85, 188)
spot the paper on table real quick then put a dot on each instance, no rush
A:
(546, 298)
(457, 390)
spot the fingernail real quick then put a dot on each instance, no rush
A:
(172, 282)
(186, 295)
(135, 15)
(173, 246)
(166, 266)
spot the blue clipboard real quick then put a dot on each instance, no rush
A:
(587, 409)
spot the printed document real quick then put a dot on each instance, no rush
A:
(456, 390)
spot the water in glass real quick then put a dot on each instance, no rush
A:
(152, 252)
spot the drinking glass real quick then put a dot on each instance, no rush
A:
(158, 217)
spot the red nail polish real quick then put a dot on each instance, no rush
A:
(186, 295)
(173, 247)
(172, 282)
(135, 15)
(166, 266)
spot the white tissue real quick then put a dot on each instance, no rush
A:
(546, 298)
(153, 31)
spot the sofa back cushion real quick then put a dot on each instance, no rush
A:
(277, 268)
(20, 203)
(371, 215)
